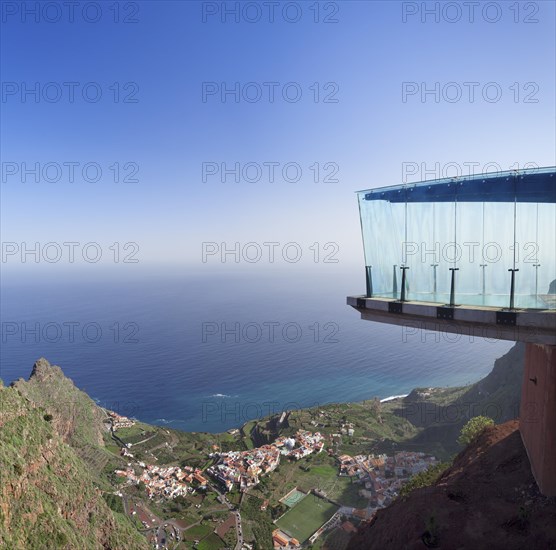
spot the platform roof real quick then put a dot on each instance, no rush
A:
(536, 185)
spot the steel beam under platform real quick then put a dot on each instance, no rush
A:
(518, 325)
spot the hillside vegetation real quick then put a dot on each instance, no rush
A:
(48, 496)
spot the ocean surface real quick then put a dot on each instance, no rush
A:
(207, 353)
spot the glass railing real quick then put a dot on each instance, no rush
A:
(485, 240)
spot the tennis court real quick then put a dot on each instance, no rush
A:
(292, 498)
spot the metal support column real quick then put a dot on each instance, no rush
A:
(402, 295)
(453, 286)
(369, 281)
(434, 266)
(512, 288)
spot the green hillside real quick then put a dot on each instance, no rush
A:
(48, 498)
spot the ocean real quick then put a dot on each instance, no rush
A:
(210, 352)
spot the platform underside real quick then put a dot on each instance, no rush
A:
(522, 325)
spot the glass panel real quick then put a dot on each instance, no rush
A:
(535, 230)
(470, 242)
(383, 229)
(444, 244)
(547, 256)
(497, 252)
(420, 251)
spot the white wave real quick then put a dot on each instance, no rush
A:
(392, 397)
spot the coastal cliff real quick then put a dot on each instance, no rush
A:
(48, 494)
(441, 413)
(75, 415)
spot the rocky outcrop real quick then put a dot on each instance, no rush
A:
(43, 370)
(266, 432)
(76, 416)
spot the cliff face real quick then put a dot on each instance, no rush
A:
(497, 395)
(48, 495)
(500, 391)
(75, 415)
(488, 498)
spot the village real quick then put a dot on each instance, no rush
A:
(160, 481)
(118, 421)
(243, 468)
(167, 482)
(382, 475)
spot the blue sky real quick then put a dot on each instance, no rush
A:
(169, 132)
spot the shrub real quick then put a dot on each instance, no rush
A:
(424, 479)
(114, 502)
(60, 539)
(473, 428)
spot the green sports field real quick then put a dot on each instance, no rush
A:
(306, 517)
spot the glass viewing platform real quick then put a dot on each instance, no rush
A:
(484, 240)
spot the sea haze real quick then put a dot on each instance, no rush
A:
(153, 361)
